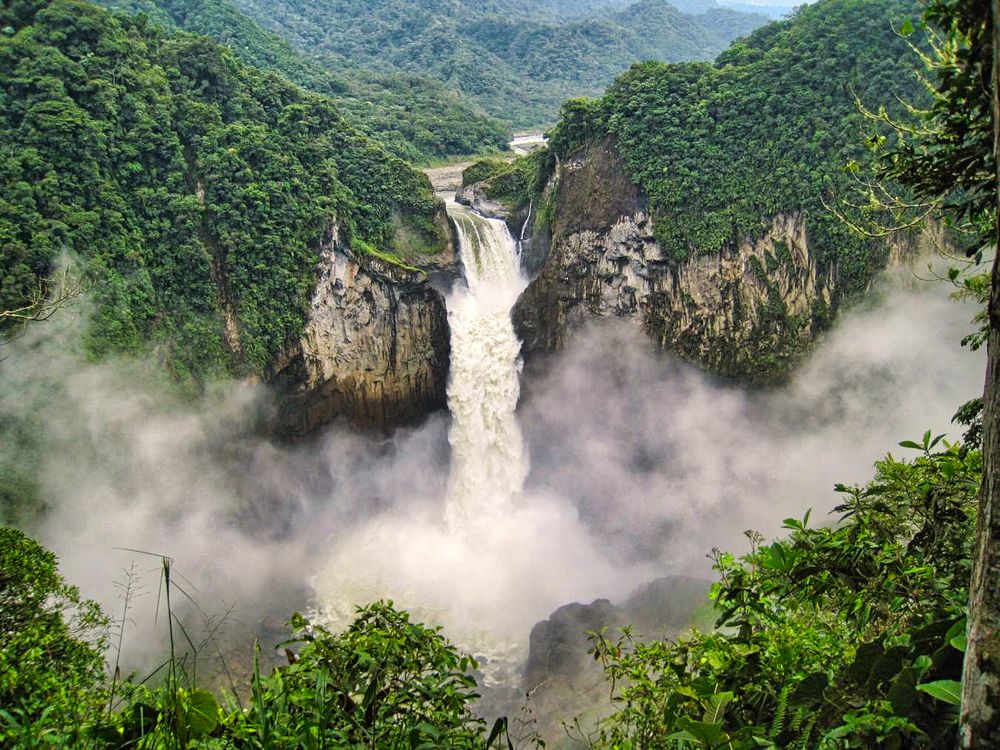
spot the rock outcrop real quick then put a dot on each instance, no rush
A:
(557, 647)
(748, 309)
(474, 197)
(557, 650)
(374, 350)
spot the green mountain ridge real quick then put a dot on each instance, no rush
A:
(515, 63)
(768, 128)
(415, 117)
(192, 190)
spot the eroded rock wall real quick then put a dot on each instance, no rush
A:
(374, 350)
(747, 310)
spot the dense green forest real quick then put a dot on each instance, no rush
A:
(190, 190)
(415, 117)
(516, 60)
(768, 128)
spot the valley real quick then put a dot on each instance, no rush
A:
(508, 373)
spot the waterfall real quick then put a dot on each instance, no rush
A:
(488, 460)
(459, 570)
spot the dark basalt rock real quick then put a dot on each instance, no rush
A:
(558, 646)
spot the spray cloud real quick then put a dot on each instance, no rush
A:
(638, 466)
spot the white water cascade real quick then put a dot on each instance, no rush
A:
(487, 560)
(488, 460)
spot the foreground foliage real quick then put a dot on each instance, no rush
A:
(384, 682)
(51, 644)
(841, 636)
(844, 636)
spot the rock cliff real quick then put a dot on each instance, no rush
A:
(748, 309)
(374, 349)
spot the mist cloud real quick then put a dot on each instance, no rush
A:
(640, 465)
(665, 462)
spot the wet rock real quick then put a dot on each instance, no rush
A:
(473, 196)
(749, 309)
(557, 651)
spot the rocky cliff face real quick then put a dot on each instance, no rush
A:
(746, 310)
(374, 350)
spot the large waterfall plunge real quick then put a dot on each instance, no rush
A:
(472, 558)
(488, 462)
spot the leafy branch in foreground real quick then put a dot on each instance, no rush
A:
(843, 636)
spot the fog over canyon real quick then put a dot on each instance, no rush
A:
(618, 466)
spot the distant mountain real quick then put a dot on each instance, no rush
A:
(771, 11)
(518, 60)
(413, 116)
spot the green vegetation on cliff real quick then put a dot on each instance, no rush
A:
(192, 190)
(767, 129)
(512, 183)
(415, 117)
(517, 61)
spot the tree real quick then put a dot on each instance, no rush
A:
(980, 719)
(51, 646)
(951, 158)
(45, 300)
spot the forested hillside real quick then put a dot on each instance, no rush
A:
(769, 128)
(190, 190)
(517, 61)
(415, 117)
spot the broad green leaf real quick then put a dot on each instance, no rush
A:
(708, 733)
(715, 707)
(958, 629)
(686, 691)
(949, 691)
(499, 726)
(201, 713)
